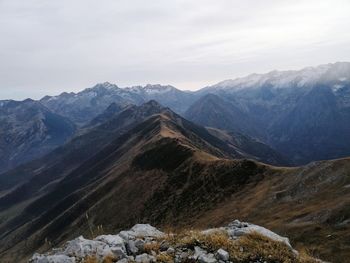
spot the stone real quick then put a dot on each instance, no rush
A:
(238, 229)
(207, 258)
(118, 252)
(198, 252)
(139, 244)
(132, 247)
(223, 255)
(141, 230)
(170, 251)
(123, 260)
(144, 258)
(164, 246)
(81, 247)
(51, 259)
(111, 240)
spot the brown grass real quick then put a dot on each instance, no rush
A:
(164, 257)
(91, 259)
(247, 248)
(94, 259)
(153, 246)
(110, 259)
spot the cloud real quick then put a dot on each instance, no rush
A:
(48, 47)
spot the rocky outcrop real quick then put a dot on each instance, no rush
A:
(145, 244)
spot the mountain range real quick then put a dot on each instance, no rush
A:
(113, 157)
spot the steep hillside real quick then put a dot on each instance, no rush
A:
(214, 111)
(64, 159)
(303, 114)
(28, 130)
(168, 172)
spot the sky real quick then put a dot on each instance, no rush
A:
(47, 47)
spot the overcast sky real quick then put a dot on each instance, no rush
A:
(47, 47)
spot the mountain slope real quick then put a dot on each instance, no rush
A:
(64, 159)
(213, 111)
(167, 171)
(303, 114)
(28, 130)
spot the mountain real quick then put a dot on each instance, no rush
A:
(168, 171)
(29, 130)
(84, 106)
(168, 96)
(64, 159)
(214, 111)
(302, 114)
(31, 177)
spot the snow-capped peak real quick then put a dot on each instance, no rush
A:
(339, 71)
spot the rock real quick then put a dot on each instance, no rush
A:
(81, 247)
(51, 259)
(198, 252)
(139, 244)
(237, 229)
(132, 247)
(118, 252)
(123, 260)
(111, 240)
(170, 251)
(164, 246)
(223, 255)
(207, 258)
(141, 230)
(183, 256)
(145, 258)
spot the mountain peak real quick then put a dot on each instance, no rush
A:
(332, 72)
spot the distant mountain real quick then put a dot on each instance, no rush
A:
(214, 111)
(29, 130)
(167, 170)
(84, 106)
(303, 114)
(168, 96)
(64, 159)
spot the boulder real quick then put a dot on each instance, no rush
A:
(51, 259)
(237, 229)
(222, 255)
(81, 248)
(141, 230)
(207, 258)
(145, 258)
(112, 240)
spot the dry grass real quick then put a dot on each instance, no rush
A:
(94, 259)
(247, 248)
(165, 258)
(91, 259)
(110, 259)
(153, 246)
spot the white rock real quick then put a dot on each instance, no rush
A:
(118, 252)
(237, 229)
(207, 258)
(198, 252)
(223, 254)
(111, 240)
(81, 247)
(132, 247)
(144, 258)
(51, 259)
